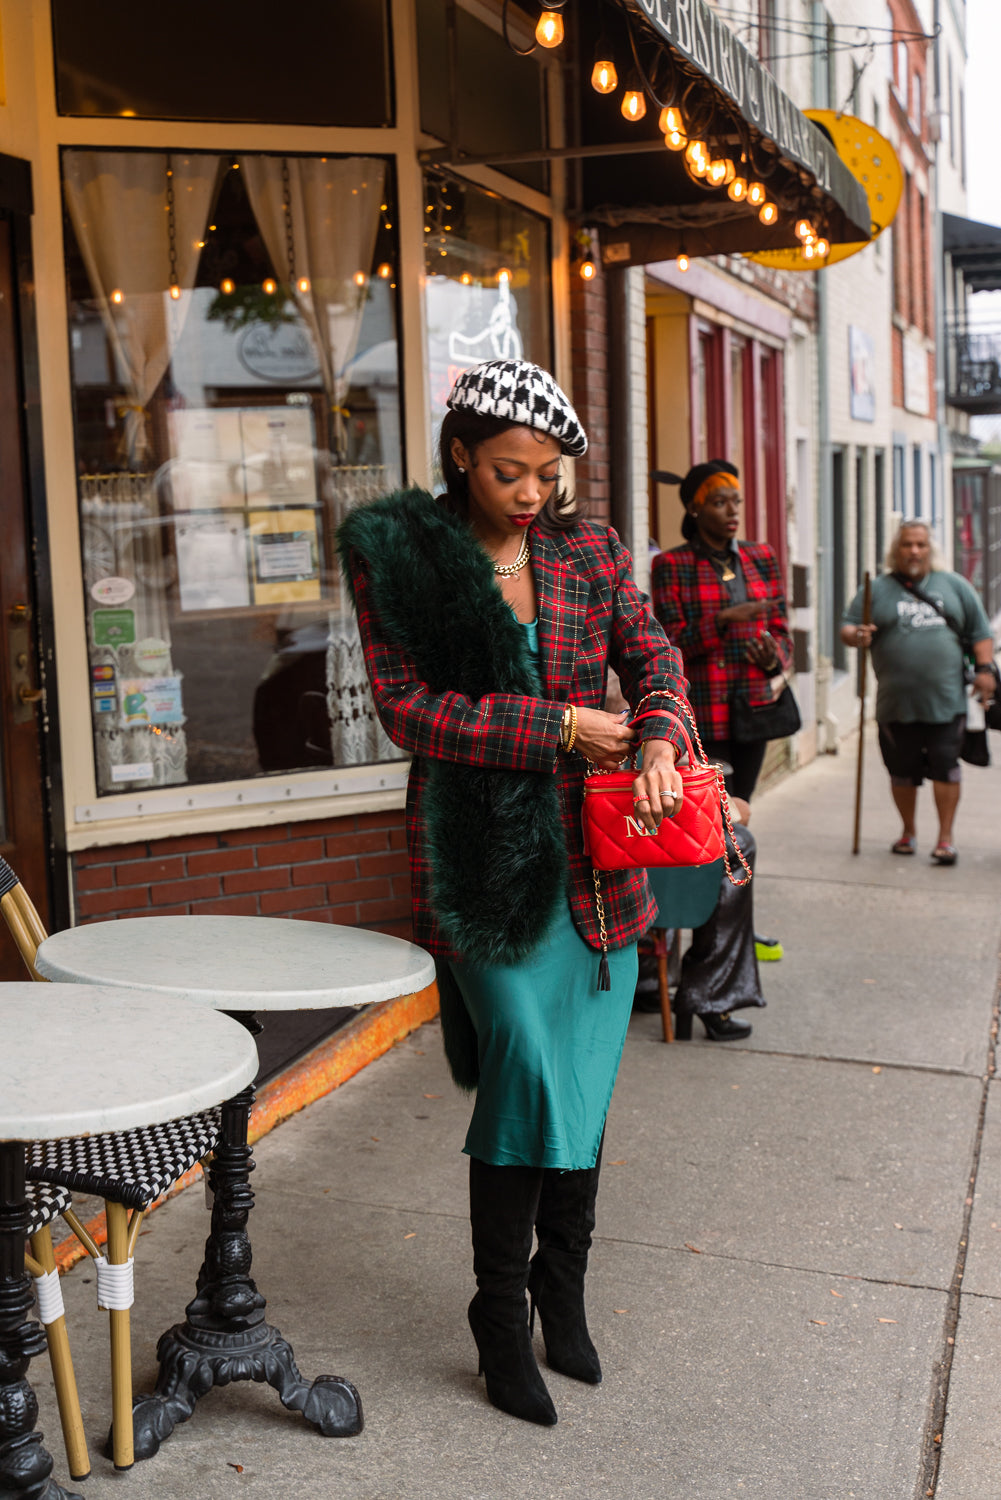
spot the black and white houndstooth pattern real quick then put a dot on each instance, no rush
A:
(45, 1203)
(130, 1166)
(519, 392)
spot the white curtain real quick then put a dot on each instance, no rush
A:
(335, 204)
(117, 202)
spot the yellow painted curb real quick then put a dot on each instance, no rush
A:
(359, 1042)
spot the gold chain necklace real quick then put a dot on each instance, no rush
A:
(511, 570)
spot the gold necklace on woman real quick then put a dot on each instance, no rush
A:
(511, 570)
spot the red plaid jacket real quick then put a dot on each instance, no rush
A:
(687, 596)
(591, 616)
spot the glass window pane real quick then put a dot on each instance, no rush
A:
(192, 61)
(487, 283)
(236, 390)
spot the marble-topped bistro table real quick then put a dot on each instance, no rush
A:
(240, 965)
(71, 1063)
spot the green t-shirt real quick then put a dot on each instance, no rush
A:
(916, 654)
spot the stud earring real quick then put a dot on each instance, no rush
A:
(460, 468)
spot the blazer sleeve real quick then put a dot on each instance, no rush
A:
(501, 730)
(778, 615)
(693, 631)
(641, 653)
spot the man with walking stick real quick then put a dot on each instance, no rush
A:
(924, 622)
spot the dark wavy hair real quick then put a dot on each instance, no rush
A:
(561, 511)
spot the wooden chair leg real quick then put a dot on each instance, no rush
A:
(660, 953)
(61, 1360)
(121, 1343)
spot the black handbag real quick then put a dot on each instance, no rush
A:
(751, 723)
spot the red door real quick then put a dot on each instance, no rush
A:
(23, 835)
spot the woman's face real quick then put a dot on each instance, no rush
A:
(718, 518)
(510, 479)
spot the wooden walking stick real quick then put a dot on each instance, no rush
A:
(866, 620)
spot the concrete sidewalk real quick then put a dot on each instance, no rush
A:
(796, 1288)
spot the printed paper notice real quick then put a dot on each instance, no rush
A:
(212, 562)
(286, 556)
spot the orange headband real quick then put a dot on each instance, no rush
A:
(719, 480)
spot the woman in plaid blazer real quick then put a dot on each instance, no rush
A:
(489, 618)
(723, 605)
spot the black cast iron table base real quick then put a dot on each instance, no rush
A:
(25, 1463)
(225, 1336)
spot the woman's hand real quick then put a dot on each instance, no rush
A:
(658, 789)
(606, 739)
(763, 652)
(751, 609)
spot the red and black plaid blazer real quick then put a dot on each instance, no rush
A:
(591, 616)
(687, 596)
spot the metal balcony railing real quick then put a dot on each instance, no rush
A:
(973, 368)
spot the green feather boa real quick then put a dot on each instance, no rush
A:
(494, 838)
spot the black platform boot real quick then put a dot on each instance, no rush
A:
(502, 1207)
(564, 1224)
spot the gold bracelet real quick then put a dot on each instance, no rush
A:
(573, 728)
(565, 723)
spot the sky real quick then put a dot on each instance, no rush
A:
(983, 125)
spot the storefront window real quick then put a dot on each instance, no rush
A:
(487, 283)
(233, 327)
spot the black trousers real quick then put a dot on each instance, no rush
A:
(746, 761)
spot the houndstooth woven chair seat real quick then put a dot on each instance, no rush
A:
(131, 1167)
(45, 1203)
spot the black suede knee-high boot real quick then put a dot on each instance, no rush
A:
(502, 1207)
(565, 1223)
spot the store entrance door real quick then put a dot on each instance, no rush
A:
(23, 841)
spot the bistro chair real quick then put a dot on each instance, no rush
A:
(45, 1203)
(129, 1169)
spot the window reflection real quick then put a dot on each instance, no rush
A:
(236, 390)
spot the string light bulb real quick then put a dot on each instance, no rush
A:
(466, 279)
(716, 173)
(227, 286)
(549, 29)
(805, 231)
(737, 191)
(503, 276)
(682, 261)
(809, 250)
(756, 194)
(822, 248)
(768, 213)
(359, 278)
(604, 78)
(385, 271)
(697, 158)
(175, 291)
(633, 104)
(302, 285)
(270, 286)
(587, 268)
(118, 296)
(670, 120)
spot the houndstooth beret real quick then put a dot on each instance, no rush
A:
(523, 394)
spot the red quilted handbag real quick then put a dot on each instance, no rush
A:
(615, 839)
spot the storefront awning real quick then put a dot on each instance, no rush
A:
(975, 249)
(638, 194)
(646, 205)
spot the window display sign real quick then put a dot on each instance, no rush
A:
(285, 554)
(212, 561)
(230, 457)
(152, 700)
(114, 627)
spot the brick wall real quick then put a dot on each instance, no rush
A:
(350, 870)
(589, 365)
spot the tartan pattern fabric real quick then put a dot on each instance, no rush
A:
(591, 615)
(127, 1166)
(687, 596)
(45, 1203)
(515, 391)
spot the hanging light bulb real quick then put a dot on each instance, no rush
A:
(809, 250)
(633, 104)
(227, 286)
(822, 248)
(466, 279)
(503, 276)
(359, 278)
(549, 29)
(302, 285)
(731, 173)
(805, 231)
(175, 291)
(587, 268)
(768, 213)
(604, 79)
(756, 194)
(717, 171)
(697, 158)
(675, 141)
(118, 297)
(385, 271)
(737, 191)
(269, 287)
(670, 121)
(682, 261)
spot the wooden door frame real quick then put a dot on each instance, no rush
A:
(16, 206)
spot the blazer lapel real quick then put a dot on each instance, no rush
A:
(562, 609)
